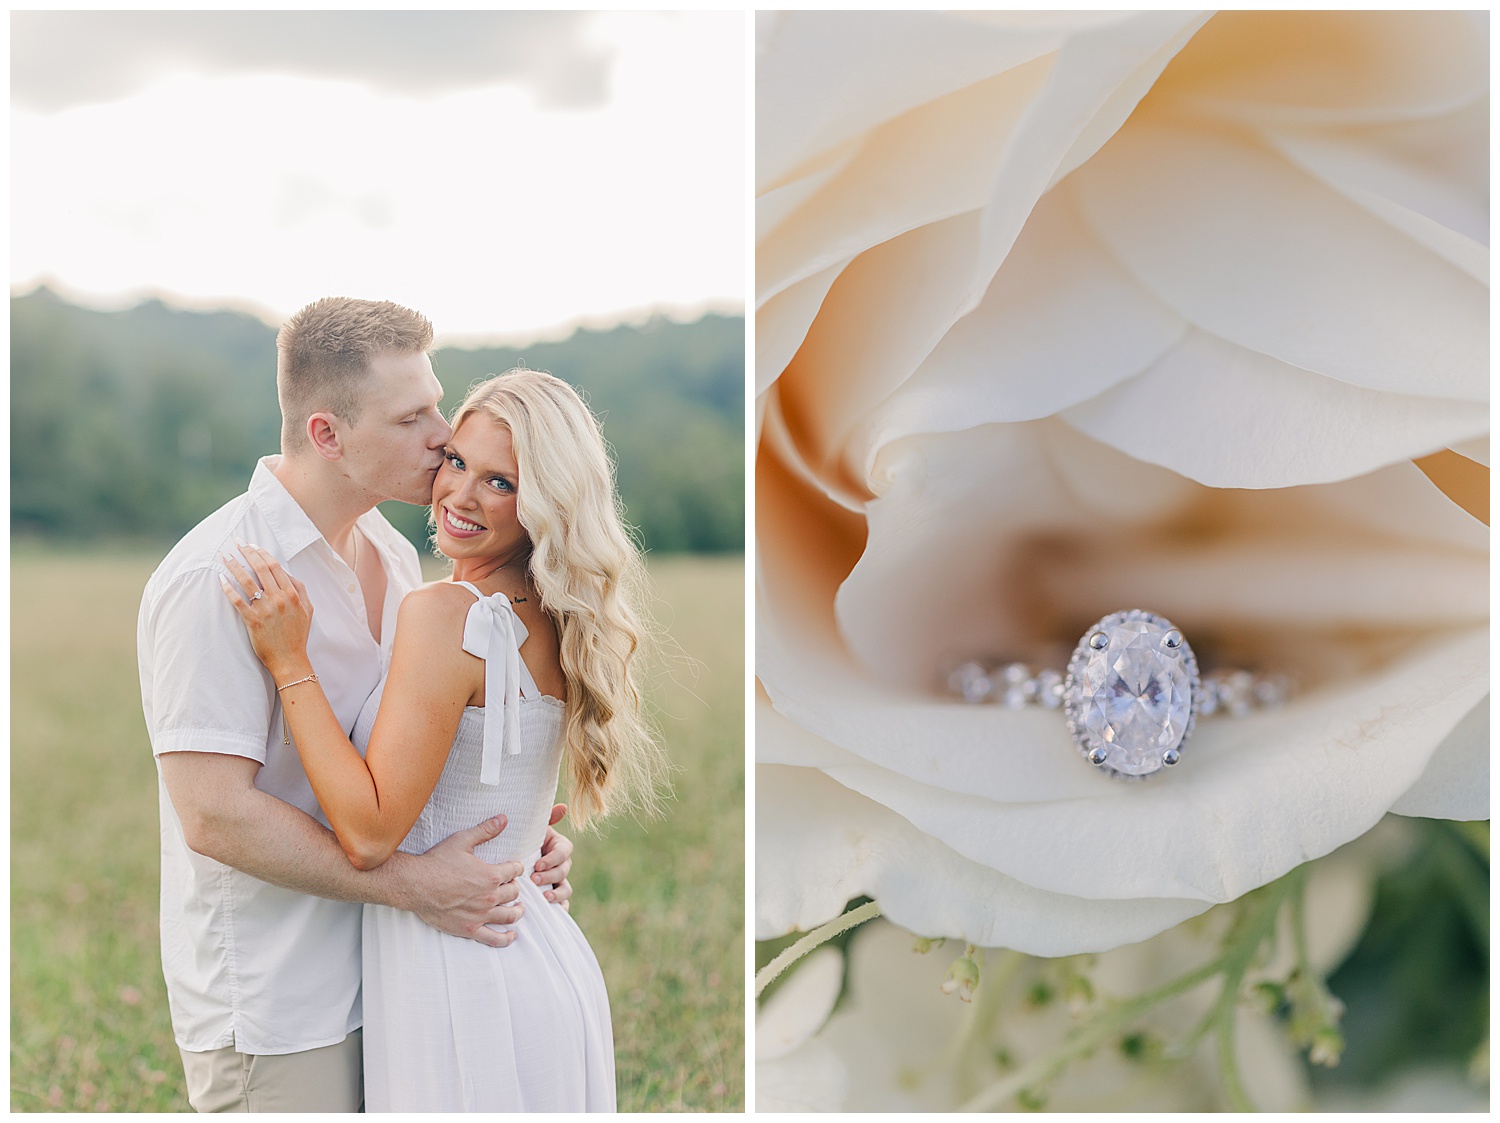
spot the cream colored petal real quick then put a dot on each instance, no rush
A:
(973, 553)
(896, 1028)
(1284, 584)
(800, 1005)
(1333, 66)
(1477, 450)
(991, 541)
(944, 576)
(997, 143)
(781, 324)
(1398, 501)
(882, 316)
(1061, 322)
(1252, 799)
(1231, 417)
(1456, 783)
(824, 78)
(1253, 250)
(1418, 201)
(818, 846)
(772, 207)
(1093, 86)
(812, 1079)
(934, 162)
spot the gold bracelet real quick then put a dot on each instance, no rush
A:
(286, 734)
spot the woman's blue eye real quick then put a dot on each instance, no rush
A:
(453, 458)
(501, 483)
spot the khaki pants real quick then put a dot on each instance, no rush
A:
(326, 1079)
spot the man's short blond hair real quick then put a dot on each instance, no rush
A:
(323, 354)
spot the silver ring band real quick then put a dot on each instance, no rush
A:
(1132, 692)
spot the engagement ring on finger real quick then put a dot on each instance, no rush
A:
(1131, 695)
(257, 595)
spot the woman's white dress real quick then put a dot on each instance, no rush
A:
(454, 1025)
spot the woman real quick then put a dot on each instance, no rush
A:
(526, 656)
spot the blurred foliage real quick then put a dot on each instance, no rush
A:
(1416, 987)
(141, 422)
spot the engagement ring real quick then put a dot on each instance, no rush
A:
(1131, 695)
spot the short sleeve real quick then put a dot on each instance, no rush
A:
(202, 686)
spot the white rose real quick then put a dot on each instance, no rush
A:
(1065, 313)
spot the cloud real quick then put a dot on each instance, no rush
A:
(64, 59)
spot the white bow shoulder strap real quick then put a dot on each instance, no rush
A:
(495, 634)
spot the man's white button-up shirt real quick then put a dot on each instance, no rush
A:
(249, 964)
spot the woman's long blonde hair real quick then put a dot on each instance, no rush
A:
(591, 580)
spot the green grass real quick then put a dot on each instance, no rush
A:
(662, 904)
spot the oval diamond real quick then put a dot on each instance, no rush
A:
(1130, 692)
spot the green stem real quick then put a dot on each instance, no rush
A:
(1259, 926)
(767, 974)
(1086, 1037)
(1232, 965)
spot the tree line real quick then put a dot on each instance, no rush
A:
(139, 423)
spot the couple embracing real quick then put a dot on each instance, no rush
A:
(364, 900)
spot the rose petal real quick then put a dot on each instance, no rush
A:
(1230, 821)
(1251, 249)
(989, 541)
(1333, 66)
(775, 205)
(888, 188)
(1416, 196)
(781, 324)
(823, 78)
(1397, 502)
(812, 1079)
(800, 1005)
(1456, 783)
(818, 846)
(872, 331)
(1477, 450)
(1061, 322)
(1229, 417)
(896, 1026)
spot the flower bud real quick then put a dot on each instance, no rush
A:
(963, 978)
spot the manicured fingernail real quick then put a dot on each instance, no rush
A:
(551, 896)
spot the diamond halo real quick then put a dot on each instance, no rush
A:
(1132, 694)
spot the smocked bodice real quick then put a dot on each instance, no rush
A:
(522, 757)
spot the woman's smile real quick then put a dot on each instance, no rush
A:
(460, 527)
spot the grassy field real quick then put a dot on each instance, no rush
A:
(661, 904)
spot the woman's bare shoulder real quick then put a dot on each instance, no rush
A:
(435, 610)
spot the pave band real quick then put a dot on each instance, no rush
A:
(1227, 692)
(1132, 692)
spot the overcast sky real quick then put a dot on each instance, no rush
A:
(508, 173)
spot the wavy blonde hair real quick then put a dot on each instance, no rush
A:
(591, 580)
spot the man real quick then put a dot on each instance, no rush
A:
(260, 909)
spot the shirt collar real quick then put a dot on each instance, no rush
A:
(294, 531)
